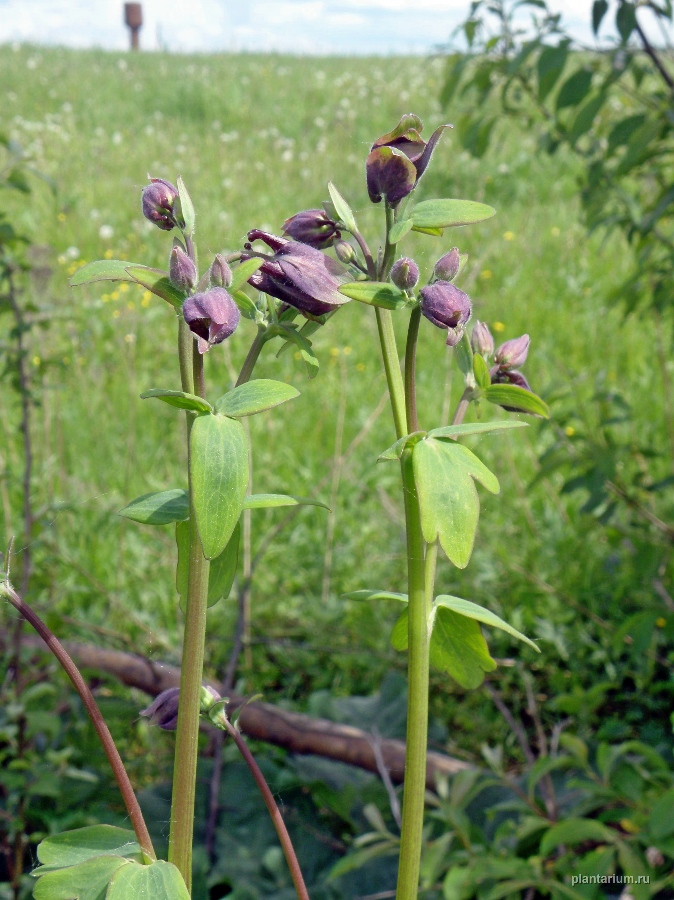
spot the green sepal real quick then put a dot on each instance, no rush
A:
(222, 569)
(159, 881)
(186, 208)
(395, 451)
(450, 432)
(179, 399)
(374, 595)
(480, 614)
(255, 397)
(342, 208)
(242, 273)
(517, 399)
(481, 371)
(375, 293)
(399, 230)
(69, 848)
(158, 508)
(447, 213)
(271, 501)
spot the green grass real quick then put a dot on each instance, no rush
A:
(256, 139)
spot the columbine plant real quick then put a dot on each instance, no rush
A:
(294, 277)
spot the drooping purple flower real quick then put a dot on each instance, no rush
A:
(182, 271)
(447, 267)
(158, 202)
(447, 307)
(211, 316)
(398, 159)
(220, 273)
(164, 710)
(297, 274)
(405, 273)
(313, 227)
(481, 339)
(512, 353)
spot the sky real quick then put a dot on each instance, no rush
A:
(297, 26)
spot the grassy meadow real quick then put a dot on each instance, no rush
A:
(256, 139)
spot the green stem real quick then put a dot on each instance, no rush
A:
(462, 407)
(394, 376)
(411, 371)
(252, 357)
(389, 249)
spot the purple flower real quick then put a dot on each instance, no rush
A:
(405, 274)
(164, 710)
(513, 353)
(481, 339)
(211, 316)
(398, 159)
(220, 273)
(182, 271)
(447, 267)
(447, 307)
(158, 201)
(297, 274)
(312, 227)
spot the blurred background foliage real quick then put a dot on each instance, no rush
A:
(572, 148)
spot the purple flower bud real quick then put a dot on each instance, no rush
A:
(164, 710)
(299, 275)
(447, 267)
(344, 252)
(211, 316)
(158, 201)
(312, 227)
(182, 271)
(447, 307)
(398, 159)
(220, 272)
(481, 340)
(405, 274)
(513, 353)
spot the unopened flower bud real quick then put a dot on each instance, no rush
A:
(220, 273)
(513, 353)
(164, 710)
(447, 307)
(208, 698)
(405, 274)
(481, 339)
(447, 267)
(158, 201)
(182, 271)
(211, 316)
(312, 227)
(344, 252)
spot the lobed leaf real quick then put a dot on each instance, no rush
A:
(255, 397)
(160, 508)
(72, 847)
(458, 647)
(179, 399)
(395, 451)
(85, 881)
(480, 614)
(158, 881)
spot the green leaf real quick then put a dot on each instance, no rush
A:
(481, 371)
(219, 478)
(375, 293)
(464, 357)
(246, 306)
(550, 66)
(157, 282)
(575, 89)
(159, 508)
(255, 397)
(87, 881)
(400, 631)
(395, 451)
(158, 881)
(103, 270)
(179, 399)
(480, 614)
(446, 213)
(449, 432)
(305, 348)
(448, 500)
(222, 569)
(242, 273)
(625, 19)
(270, 501)
(434, 232)
(575, 831)
(458, 647)
(374, 595)
(342, 208)
(186, 208)
(399, 230)
(586, 116)
(599, 10)
(661, 817)
(518, 399)
(72, 847)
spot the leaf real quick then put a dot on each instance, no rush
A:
(219, 478)
(661, 817)
(448, 500)
(446, 213)
(222, 569)
(575, 89)
(449, 432)
(458, 647)
(157, 282)
(186, 208)
(179, 399)
(87, 881)
(480, 614)
(550, 66)
(513, 397)
(586, 116)
(305, 348)
(574, 831)
(374, 595)
(246, 306)
(625, 19)
(375, 293)
(481, 371)
(159, 508)
(255, 397)
(158, 881)
(270, 501)
(395, 451)
(242, 273)
(72, 847)
(434, 232)
(399, 230)
(464, 356)
(103, 270)
(342, 209)
(400, 631)
(599, 10)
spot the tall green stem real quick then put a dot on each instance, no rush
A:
(411, 371)
(251, 358)
(394, 377)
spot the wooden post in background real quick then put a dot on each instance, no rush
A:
(133, 17)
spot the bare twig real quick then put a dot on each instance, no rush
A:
(514, 725)
(393, 799)
(657, 62)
